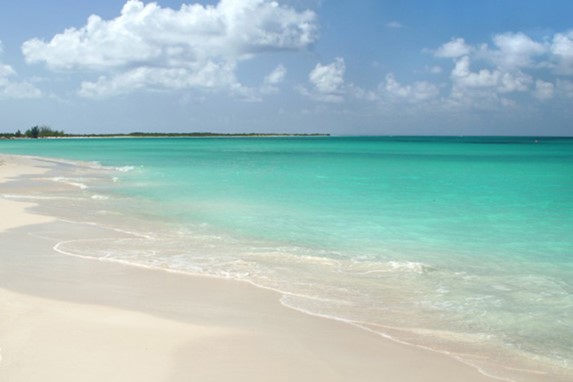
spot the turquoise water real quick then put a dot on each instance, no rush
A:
(460, 244)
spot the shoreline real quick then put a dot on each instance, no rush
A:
(176, 135)
(53, 289)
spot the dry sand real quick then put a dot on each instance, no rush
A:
(64, 318)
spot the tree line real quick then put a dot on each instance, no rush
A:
(34, 132)
(47, 132)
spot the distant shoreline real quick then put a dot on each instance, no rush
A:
(176, 135)
(403, 138)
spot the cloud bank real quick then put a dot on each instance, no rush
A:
(197, 46)
(202, 47)
(487, 76)
(512, 70)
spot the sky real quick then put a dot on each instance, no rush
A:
(365, 67)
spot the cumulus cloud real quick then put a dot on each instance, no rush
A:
(502, 81)
(329, 85)
(562, 49)
(512, 63)
(419, 91)
(485, 88)
(148, 46)
(327, 82)
(503, 74)
(10, 87)
(462, 75)
(516, 50)
(452, 49)
(209, 75)
(509, 50)
(515, 81)
(328, 78)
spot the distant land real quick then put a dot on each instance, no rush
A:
(47, 132)
(194, 134)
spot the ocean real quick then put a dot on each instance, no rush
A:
(459, 244)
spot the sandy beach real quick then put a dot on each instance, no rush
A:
(65, 318)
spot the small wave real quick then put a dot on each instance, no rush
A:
(37, 197)
(124, 168)
(98, 166)
(95, 165)
(409, 266)
(61, 179)
(99, 197)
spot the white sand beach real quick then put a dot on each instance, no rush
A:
(65, 318)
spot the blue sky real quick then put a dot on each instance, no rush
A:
(378, 67)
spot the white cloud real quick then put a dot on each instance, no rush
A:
(544, 90)
(562, 48)
(514, 62)
(473, 99)
(507, 66)
(276, 76)
(562, 44)
(462, 75)
(328, 78)
(195, 46)
(419, 91)
(514, 81)
(329, 85)
(482, 89)
(502, 81)
(453, 49)
(392, 86)
(327, 82)
(206, 76)
(6, 71)
(361, 94)
(516, 50)
(10, 87)
(273, 79)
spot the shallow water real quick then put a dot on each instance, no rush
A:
(459, 244)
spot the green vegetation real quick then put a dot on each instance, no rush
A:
(47, 132)
(191, 135)
(34, 132)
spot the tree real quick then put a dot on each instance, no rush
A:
(33, 132)
(46, 131)
(18, 134)
(42, 132)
